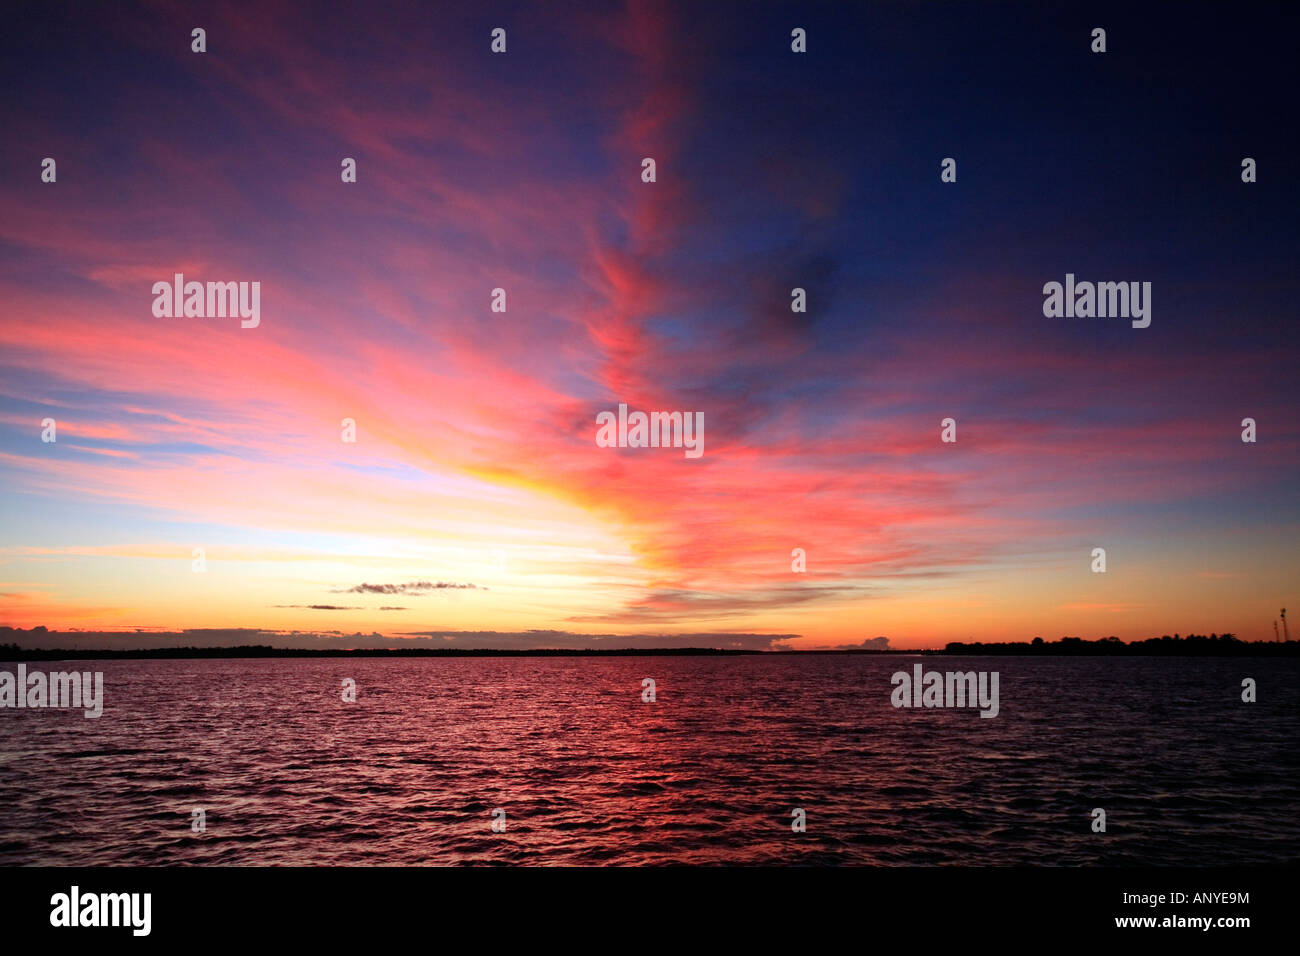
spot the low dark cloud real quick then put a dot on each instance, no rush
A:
(870, 644)
(567, 639)
(43, 639)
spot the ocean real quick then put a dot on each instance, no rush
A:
(778, 759)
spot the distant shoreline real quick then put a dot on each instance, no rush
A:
(1067, 647)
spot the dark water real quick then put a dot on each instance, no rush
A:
(589, 774)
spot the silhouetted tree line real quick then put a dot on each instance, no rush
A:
(1193, 645)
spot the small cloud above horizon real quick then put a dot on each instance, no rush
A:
(321, 607)
(411, 587)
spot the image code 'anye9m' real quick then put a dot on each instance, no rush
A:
(740, 447)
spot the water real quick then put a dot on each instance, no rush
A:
(589, 774)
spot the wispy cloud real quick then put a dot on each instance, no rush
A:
(322, 607)
(411, 587)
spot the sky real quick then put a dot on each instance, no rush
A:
(475, 497)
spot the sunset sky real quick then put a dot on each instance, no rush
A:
(475, 461)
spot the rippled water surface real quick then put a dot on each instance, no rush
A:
(587, 773)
